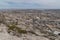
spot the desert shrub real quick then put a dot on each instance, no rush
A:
(15, 28)
(22, 31)
(11, 27)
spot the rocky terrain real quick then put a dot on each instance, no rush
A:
(29, 25)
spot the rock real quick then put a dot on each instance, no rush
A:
(56, 32)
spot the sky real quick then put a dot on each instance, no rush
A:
(30, 4)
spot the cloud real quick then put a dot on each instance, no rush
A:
(44, 4)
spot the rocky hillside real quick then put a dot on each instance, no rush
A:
(29, 25)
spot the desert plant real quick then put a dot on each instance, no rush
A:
(15, 28)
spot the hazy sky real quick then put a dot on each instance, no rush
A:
(30, 4)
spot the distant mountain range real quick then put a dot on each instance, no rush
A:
(29, 10)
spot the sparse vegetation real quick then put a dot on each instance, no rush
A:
(15, 28)
(35, 22)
